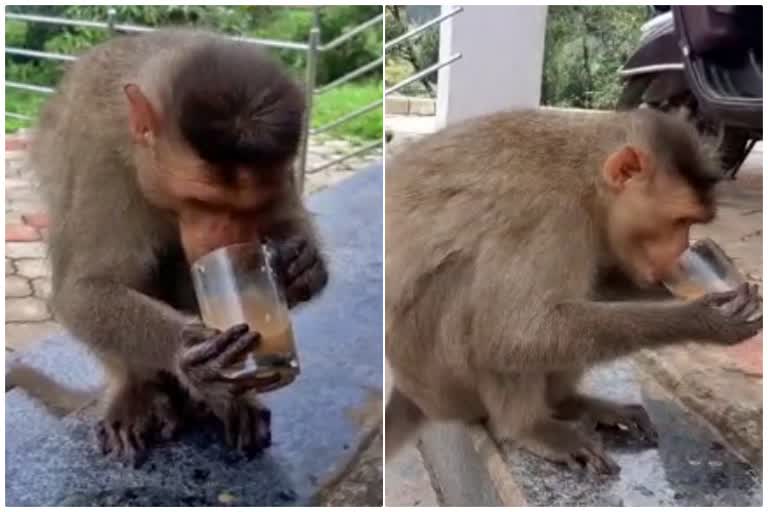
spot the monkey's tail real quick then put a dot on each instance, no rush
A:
(402, 420)
(59, 399)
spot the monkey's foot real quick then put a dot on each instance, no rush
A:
(247, 424)
(134, 418)
(630, 418)
(563, 443)
(596, 413)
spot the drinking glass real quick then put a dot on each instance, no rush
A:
(234, 285)
(703, 268)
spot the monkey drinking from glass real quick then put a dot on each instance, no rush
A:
(155, 150)
(507, 239)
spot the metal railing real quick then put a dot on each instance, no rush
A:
(413, 33)
(313, 49)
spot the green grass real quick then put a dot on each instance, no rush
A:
(21, 102)
(327, 107)
(345, 99)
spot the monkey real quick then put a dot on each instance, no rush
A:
(507, 239)
(154, 150)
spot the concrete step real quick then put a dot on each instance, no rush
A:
(408, 482)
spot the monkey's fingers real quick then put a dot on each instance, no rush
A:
(305, 259)
(264, 425)
(254, 434)
(136, 435)
(166, 419)
(574, 462)
(308, 284)
(245, 432)
(286, 251)
(131, 454)
(597, 461)
(213, 347)
(752, 311)
(742, 299)
(243, 382)
(239, 349)
(719, 298)
(102, 438)
(113, 440)
(169, 430)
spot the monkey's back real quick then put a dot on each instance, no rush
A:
(460, 200)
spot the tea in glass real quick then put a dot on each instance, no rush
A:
(235, 285)
(704, 268)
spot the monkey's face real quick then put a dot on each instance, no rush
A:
(214, 203)
(649, 220)
(214, 206)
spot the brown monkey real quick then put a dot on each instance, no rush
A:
(156, 149)
(501, 233)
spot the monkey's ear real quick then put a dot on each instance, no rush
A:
(628, 163)
(145, 123)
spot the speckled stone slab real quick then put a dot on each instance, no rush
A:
(51, 462)
(690, 467)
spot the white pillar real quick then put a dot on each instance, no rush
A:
(501, 67)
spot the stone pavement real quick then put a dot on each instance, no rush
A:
(722, 386)
(346, 409)
(28, 319)
(27, 281)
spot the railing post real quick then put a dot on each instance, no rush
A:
(111, 20)
(313, 54)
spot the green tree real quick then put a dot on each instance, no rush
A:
(585, 47)
(411, 55)
(280, 23)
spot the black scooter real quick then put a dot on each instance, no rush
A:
(709, 61)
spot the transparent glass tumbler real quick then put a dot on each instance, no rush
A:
(235, 285)
(703, 268)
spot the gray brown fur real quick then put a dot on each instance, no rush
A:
(121, 282)
(493, 257)
(106, 241)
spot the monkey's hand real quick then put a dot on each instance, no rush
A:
(247, 423)
(300, 269)
(730, 317)
(208, 358)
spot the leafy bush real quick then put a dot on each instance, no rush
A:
(585, 47)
